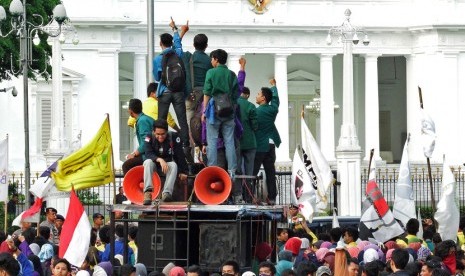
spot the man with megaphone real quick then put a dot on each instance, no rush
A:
(164, 152)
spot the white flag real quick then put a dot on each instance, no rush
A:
(428, 134)
(447, 214)
(303, 194)
(335, 220)
(404, 203)
(316, 166)
(420, 229)
(4, 170)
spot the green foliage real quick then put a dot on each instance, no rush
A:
(13, 189)
(88, 197)
(10, 45)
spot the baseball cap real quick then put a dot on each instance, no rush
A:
(60, 217)
(97, 215)
(48, 209)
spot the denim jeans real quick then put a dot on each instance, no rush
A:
(226, 126)
(171, 174)
(179, 105)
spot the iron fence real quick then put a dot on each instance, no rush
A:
(98, 199)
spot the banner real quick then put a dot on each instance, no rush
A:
(317, 167)
(447, 214)
(88, 167)
(303, 194)
(404, 203)
(4, 170)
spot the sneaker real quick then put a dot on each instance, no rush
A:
(238, 200)
(147, 198)
(188, 154)
(166, 197)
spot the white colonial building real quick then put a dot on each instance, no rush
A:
(412, 43)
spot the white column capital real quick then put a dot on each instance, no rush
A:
(324, 56)
(281, 56)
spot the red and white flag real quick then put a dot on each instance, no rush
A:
(75, 234)
(30, 215)
(377, 220)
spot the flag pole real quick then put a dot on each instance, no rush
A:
(112, 161)
(5, 203)
(430, 176)
(372, 152)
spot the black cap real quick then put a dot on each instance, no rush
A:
(48, 209)
(97, 215)
(293, 205)
(60, 217)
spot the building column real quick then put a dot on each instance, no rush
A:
(413, 110)
(282, 120)
(327, 107)
(58, 143)
(348, 152)
(233, 62)
(371, 107)
(140, 76)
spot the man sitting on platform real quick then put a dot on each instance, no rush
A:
(163, 150)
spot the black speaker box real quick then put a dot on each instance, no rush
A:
(169, 244)
(222, 242)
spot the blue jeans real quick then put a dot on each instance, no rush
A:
(226, 126)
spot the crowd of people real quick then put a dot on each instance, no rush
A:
(214, 115)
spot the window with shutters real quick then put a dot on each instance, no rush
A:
(44, 119)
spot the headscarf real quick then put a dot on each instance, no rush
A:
(322, 270)
(120, 258)
(326, 244)
(167, 268)
(284, 255)
(293, 245)
(177, 271)
(330, 259)
(99, 271)
(141, 270)
(353, 252)
(46, 252)
(362, 244)
(82, 273)
(262, 251)
(250, 273)
(35, 248)
(423, 253)
(305, 243)
(320, 253)
(108, 267)
(370, 255)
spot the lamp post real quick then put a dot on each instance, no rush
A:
(348, 151)
(349, 36)
(25, 30)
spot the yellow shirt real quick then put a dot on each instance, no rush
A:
(150, 108)
(461, 238)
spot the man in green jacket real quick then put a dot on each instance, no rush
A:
(144, 125)
(248, 144)
(267, 137)
(220, 80)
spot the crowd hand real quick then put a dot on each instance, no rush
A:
(202, 118)
(185, 28)
(204, 149)
(11, 244)
(242, 62)
(182, 176)
(273, 82)
(172, 24)
(163, 165)
(21, 238)
(130, 156)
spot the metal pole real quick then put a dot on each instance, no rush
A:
(150, 39)
(24, 62)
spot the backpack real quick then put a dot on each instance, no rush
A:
(173, 74)
(196, 124)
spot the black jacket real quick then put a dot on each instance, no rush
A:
(170, 150)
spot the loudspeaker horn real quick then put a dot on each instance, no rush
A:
(212, 185)
(133, 185)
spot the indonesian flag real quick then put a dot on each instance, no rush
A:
(420, 229)
(30, 215)
(303, 193)
(404, 203)
(75, 234)
(377, 220)
(447, 214)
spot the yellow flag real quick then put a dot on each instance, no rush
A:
(88, 167)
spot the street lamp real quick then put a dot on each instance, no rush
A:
(349, 36)
(27, 31)
(14, 92)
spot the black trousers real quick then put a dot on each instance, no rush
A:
(179, 105)
(267, 159)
